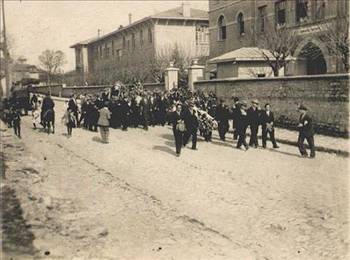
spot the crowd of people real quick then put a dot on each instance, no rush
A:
(188, 112)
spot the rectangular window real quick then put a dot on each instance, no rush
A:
(262, 17)
(280, 12)
(302, 10)
(112, 47)
(119, 54)
(201, 34)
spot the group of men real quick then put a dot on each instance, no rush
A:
(188, 112)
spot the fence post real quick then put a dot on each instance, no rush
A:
(195, 73)
(171, 77)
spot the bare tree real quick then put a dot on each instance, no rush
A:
(51, 61)
(337, 40)
(276, 45)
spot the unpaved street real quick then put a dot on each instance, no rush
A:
(133, 199)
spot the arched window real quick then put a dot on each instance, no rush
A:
(222, 28)
(240, 22)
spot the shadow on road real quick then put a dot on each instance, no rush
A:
(97, 139)
(165, 149)
(169, 137)
(16, 233)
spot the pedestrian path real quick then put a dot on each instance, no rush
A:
(323, 143)
(329, 144)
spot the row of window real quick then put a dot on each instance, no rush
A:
(104, 50)
(303, 13)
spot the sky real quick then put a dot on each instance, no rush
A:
(34, 26)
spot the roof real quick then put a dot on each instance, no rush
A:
(86, 42)
(175, 13)
(243, 54)
(18, 67)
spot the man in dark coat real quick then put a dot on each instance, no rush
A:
(47, 104)
(125, 113)
(222, 117)
(306, 131)
(253, 114)
(241, 124)
(73, 106)
(145, 112)
(175, 118)
(191, 123)
(268, 126)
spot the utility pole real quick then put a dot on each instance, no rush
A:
(5, 52)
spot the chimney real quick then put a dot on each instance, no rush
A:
(186, 10)
(130, 18)
(98, 33)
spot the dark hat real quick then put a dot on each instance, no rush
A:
(302, 107)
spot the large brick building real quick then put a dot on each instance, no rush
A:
(237, 23)
(130, 51)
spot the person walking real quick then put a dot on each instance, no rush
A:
(253, 115)
(177, 120)
(73, 106)
(191, 124)
(222, 117)
(69, 120)
(36, 115)
(306, 131)
(16, 121)
(268, 126)
(103, 122)
(241, 124)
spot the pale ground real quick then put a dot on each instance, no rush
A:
(133, 199)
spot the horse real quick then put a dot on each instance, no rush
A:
(48, 120)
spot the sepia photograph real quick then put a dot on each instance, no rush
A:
(174, 129)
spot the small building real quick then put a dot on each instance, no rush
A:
(246, 62)
(237, 24)
(130, 51)
(24, 72)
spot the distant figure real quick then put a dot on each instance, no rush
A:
(36, 115)
(241, 125)
(103, 122)
(69, 120)
(73, 106)
(16, 121)
(306, 131)
(178, 127)
(191, 124)
(253, 115)
(268, 126)
(222, 116)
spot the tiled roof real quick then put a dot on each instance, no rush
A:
(242, 54)
(176, 13)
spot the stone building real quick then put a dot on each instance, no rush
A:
(236, 24)
(130, 51)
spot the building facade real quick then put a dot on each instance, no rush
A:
(133, 50)
(238, 23)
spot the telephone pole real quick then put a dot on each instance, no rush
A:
(5, 52)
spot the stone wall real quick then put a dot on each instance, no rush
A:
(326, 96)
(60, 91)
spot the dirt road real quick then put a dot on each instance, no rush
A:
(133, 199)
